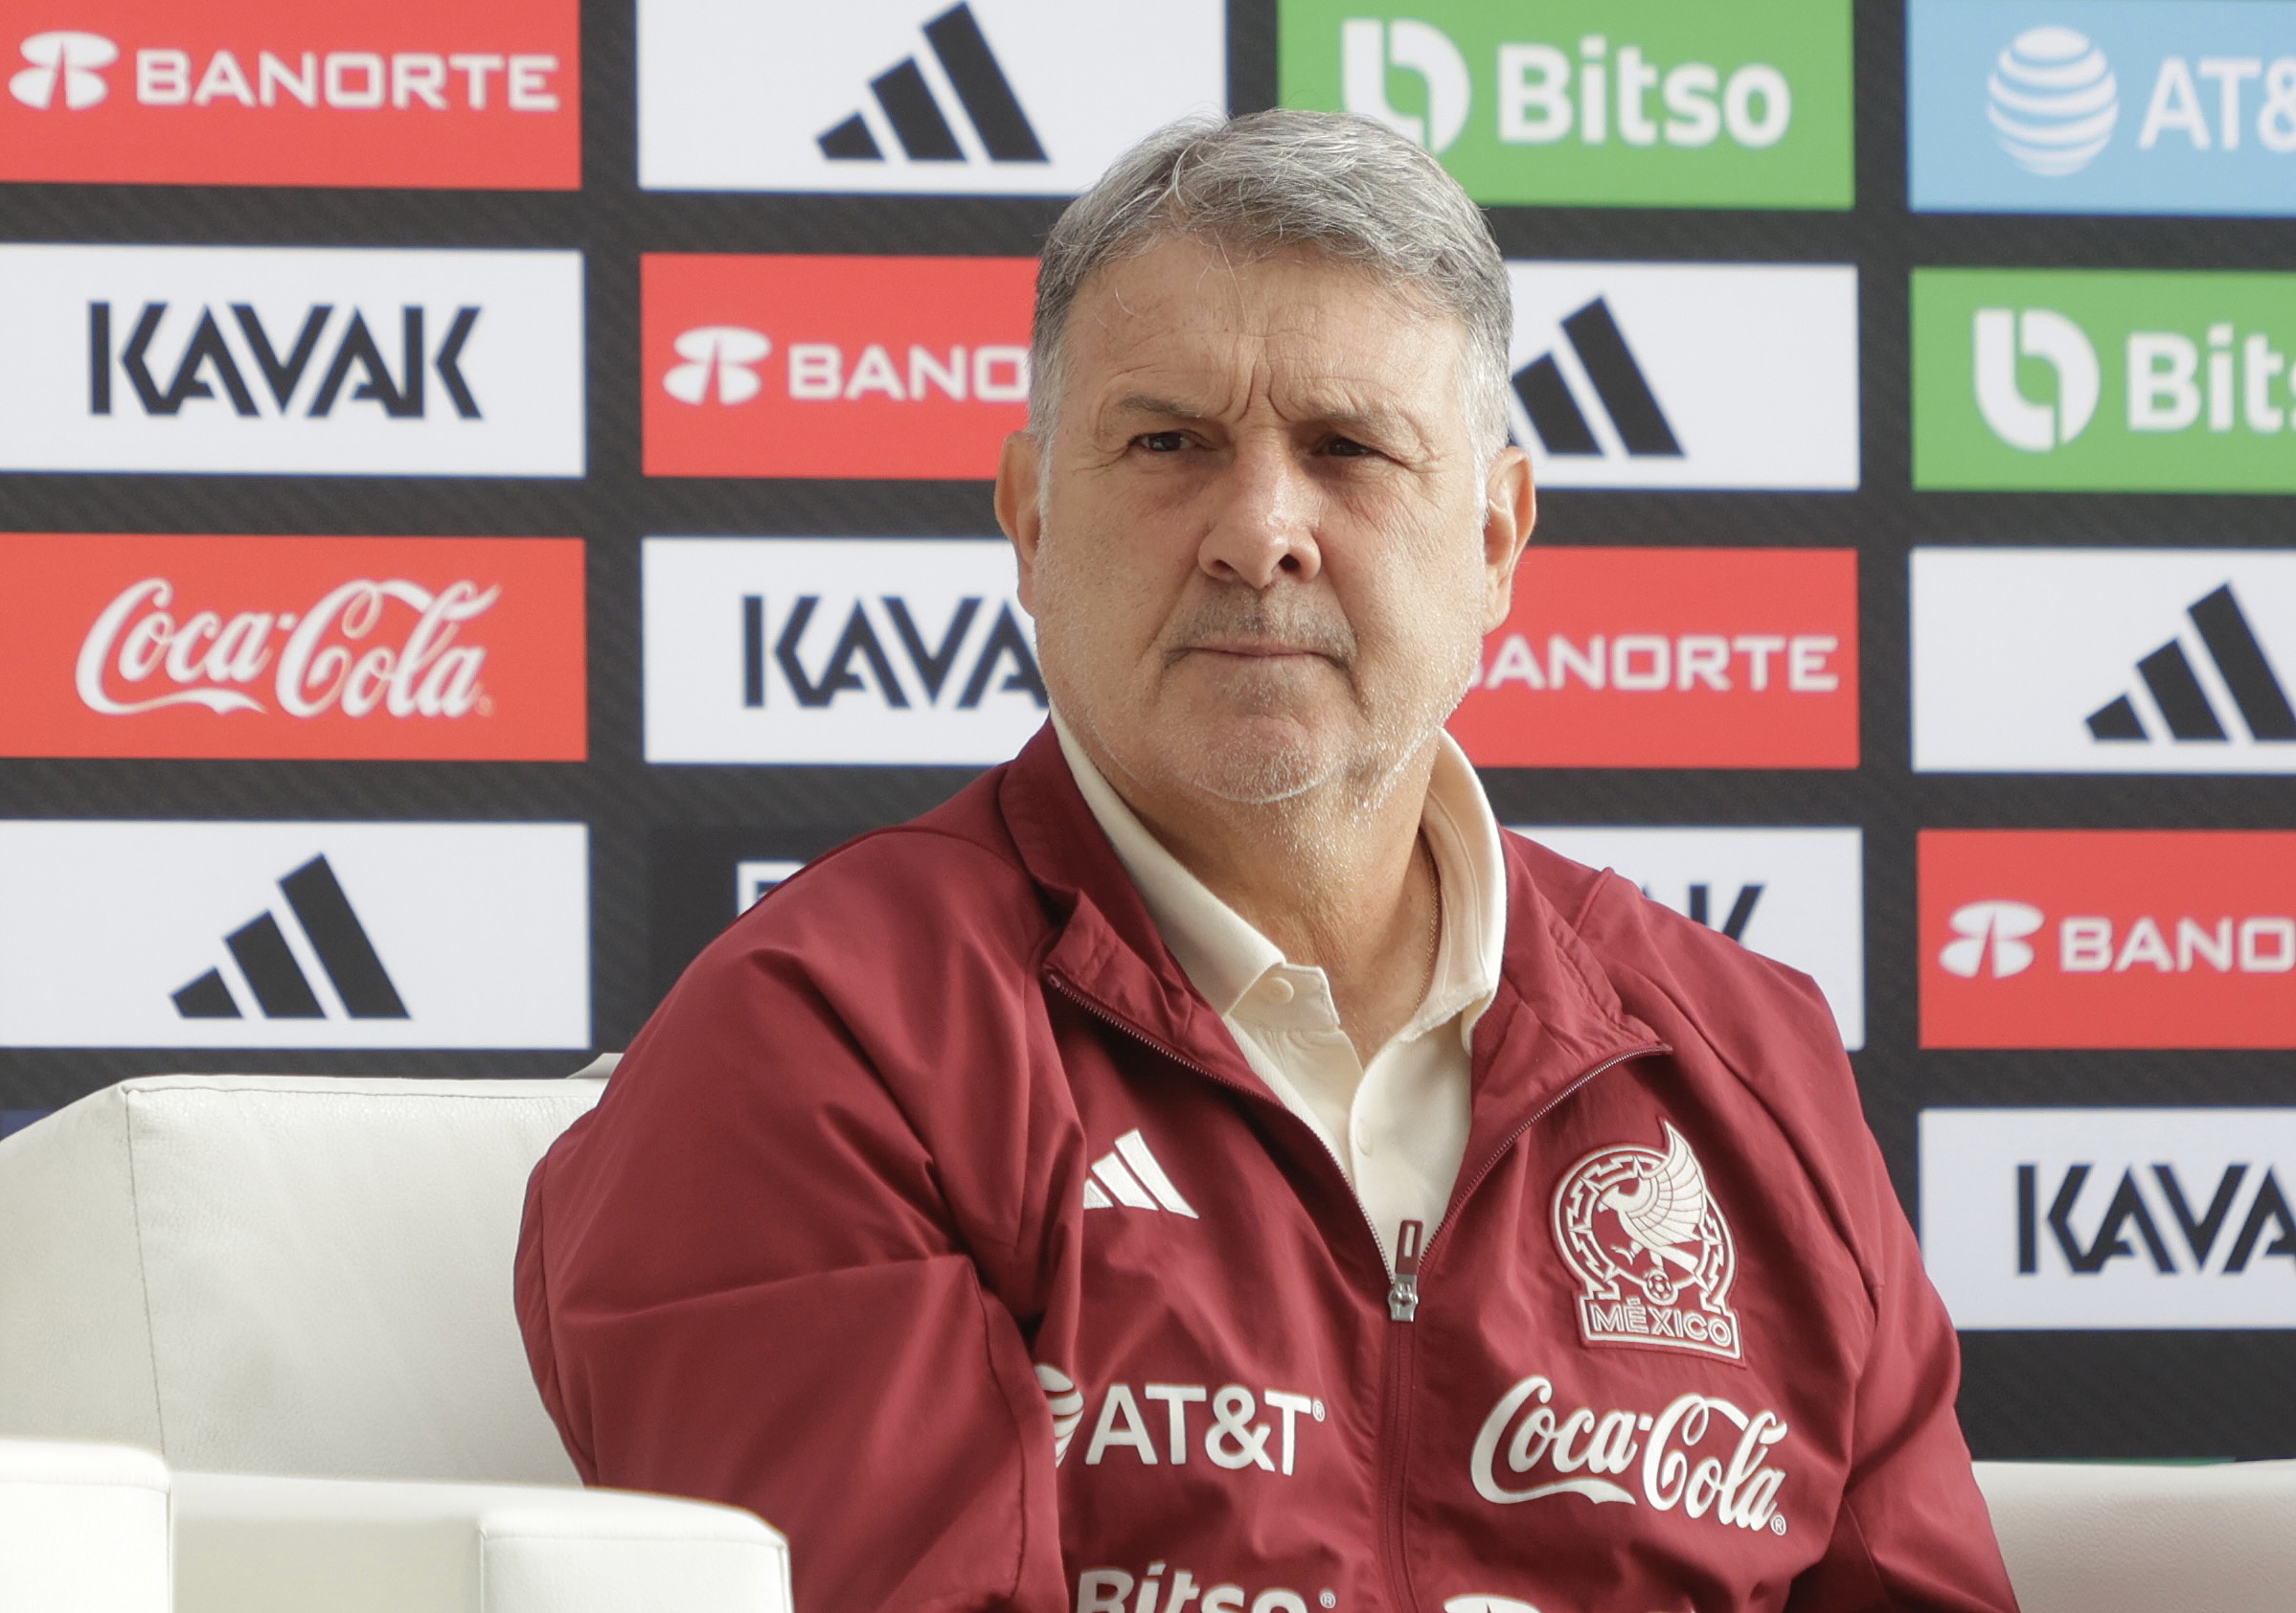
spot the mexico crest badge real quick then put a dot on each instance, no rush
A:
(1649, 1248)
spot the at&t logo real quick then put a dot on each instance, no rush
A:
(1998, 927)
(2053, 100)
(66, 59)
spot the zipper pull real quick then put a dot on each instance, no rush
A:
(1402, 1294)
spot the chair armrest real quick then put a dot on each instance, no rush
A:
(247, 1544)
(83, 1527)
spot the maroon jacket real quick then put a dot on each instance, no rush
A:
(937, 1218)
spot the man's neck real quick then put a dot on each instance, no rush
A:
(1335, 878)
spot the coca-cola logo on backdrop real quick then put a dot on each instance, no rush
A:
(316, 648)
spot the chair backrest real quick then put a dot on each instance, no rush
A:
(280, 1274)
(2098, 1537)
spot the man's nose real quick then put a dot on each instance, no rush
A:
(1262, 522)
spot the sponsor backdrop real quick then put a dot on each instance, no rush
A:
(491, 489)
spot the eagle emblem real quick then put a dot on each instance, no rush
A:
(1651, 1251)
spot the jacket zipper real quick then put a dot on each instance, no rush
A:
(1404, 1291)
(1403, 1297)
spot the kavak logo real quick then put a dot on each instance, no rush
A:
(831, 650)
(408, 93)
(1649, 1248)
(2104, 380)
(2174, 106)
(2081, 660)
(984, 97)
(1671, 658)
(335, 648)
(293, 360)
(294, 935)
(1687, 376)
(2090, 1218)
(2107, 937)
(1679, 105)
(877, 367)
(1795, 895)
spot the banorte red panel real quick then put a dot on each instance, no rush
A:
(2108, 939)
(1671, 658)
(422, 94)
(404, 649)
(886, 368)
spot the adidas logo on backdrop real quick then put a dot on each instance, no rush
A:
(2184, 705)
(267, 964)
(905, 98)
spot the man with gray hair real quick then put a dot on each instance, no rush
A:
(1207, 1166)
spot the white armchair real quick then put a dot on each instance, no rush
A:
(83, 1527)
(296, 1291)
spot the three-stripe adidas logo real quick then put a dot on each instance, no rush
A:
(905, 97)
(1601, 349)
(2184, 705)
(1128, 1175)
(266, 960)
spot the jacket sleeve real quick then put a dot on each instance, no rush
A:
(742, 1278)
(1912, 1534)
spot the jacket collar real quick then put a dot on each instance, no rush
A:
(1555, 1017)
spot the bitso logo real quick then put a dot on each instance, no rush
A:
(1649, 1248)
(291, 360)
(295, 935)
(899, 96)
(2077, 660)
(1686, 375)
(2001, 337)
(1368, 48)
(2163, 381)
(2053, 100)
(68, 62)
(2107, 937)
(2089, 1218)
(905, 100)
(2106, 107)
(414, 93)
(1678, 106)
(1993, 931)
(877, 367)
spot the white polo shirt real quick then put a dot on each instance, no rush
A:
(1396, 1125)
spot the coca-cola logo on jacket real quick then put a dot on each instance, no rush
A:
(437, 648)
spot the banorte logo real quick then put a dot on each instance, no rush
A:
(2108, 939)
(1671, 658)
(415, 93)
(62, 60)
(313, 647)
(834, 367)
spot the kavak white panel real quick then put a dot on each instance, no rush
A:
(826, 651)
(294, 935)
(291, 360)
(1794, 895)
(2097, 1218)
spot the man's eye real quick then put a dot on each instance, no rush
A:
(1346, 447)
(1162, 441)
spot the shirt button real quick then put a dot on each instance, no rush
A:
(1276, 988)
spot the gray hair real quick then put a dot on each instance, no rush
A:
(1334, 185)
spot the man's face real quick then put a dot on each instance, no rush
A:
(1262, 548)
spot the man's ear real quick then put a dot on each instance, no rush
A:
(1509, 510)
(1018, 479)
